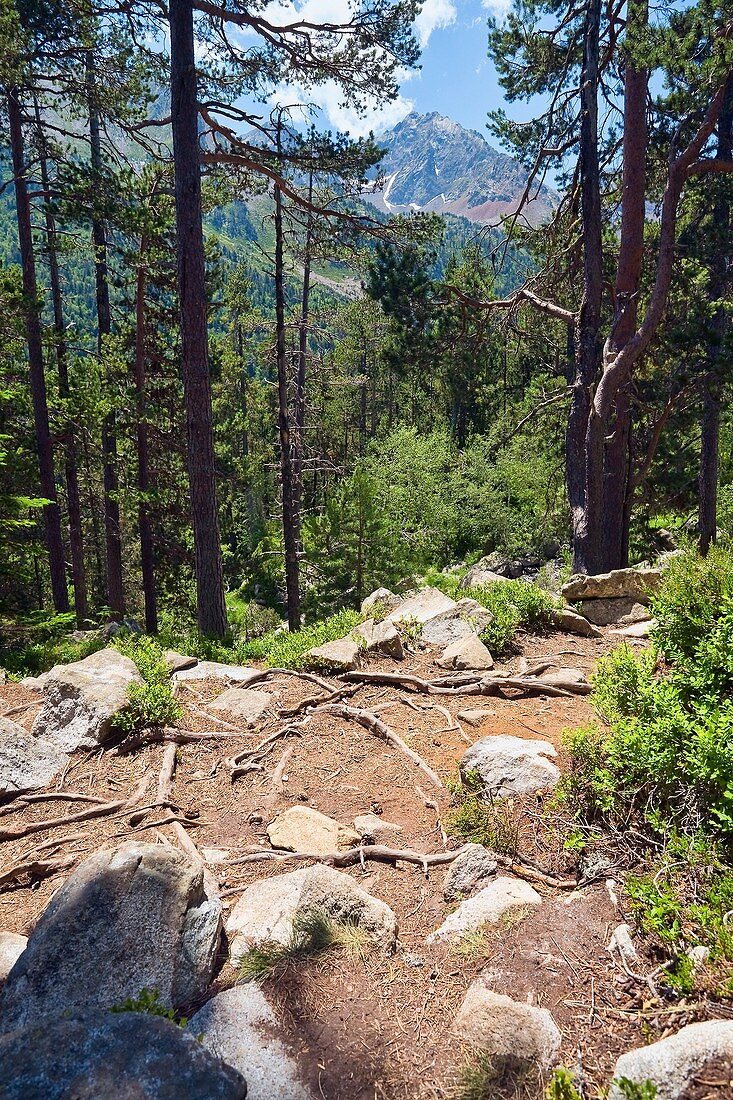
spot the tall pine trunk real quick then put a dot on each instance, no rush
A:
(711, 382)
(112, 523)
(71, 460)
(147, 554)
(584, 484)
(287, 473)
(210, 603)
(51, 510)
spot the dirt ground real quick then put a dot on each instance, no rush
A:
(377, 1026)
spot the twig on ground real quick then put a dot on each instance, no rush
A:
(277, 775)
(432, 805)
(20, 801)
(36, 869)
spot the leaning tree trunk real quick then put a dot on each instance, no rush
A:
(51, 511)
(290, 503)
(711, 382)
(112, 524)
(147, 553)
(71, 461)
(584, 485)
(211, 606)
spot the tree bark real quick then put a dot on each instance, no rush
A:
(147, 552)
(51, 510)
(71, 464)
(112, 523)
(711, 383)
(211, 606)
(584, 483)
(287, 474)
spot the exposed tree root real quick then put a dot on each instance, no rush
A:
(36, 869)
(495, 683)
(106, 809)
(433, 805)
(375, 725)
(20, 801)
(375, 852)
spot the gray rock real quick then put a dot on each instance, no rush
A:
(488, 570)
(465, 619)
(34, 683)
(604, 612)
(511, 765)
(215, 670)
(563, 676)
(619, 583)
(27, 763)
(178, 662)
(380, 598)
(340, 656)
(266, 909)
(468, 872)
(423, 606)
(128, 919)
(636, 630)
(240, 1027)
(112, 1056)
(381, 637)
(373, 828)
(506, 1028)
(475, 716)
(500, 897)
(81, 699)
(671, 1064)
(466, 653)
(301, 829)
(562, 618)
(245, 703)
(12, 947)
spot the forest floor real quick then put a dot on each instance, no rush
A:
(379, 1026)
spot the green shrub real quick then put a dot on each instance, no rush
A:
(473, 819)
(151, 704)
(286, 649)
(689, 601)
(39, 641)
(148, 1001)
(561, 1086)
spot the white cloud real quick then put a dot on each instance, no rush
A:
(377, 116)
(434, 14)
(497, 8)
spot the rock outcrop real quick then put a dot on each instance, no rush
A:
(247, 704)
(339, 656)
(507, 1029)
(128, 919)
(467, 653)
(27, 763)
(468, 872)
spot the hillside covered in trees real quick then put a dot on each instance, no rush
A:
(305, 436)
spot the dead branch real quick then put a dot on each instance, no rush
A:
(37, 869)
(167, 771)
(432, 805)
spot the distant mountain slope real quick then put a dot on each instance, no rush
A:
(434, 164)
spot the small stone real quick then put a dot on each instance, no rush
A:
(177, 662)
(475, 716)
(574, 676)
(216, 855)
(239, 1027)
(302, 829)
(636, 630)
(266, 909)
(425, 605)
(340, 656)
(563, 618)
(489, 906)
(27, 763)
(481, 575)
(468, 872)
(12, 947)
(511, 765)
(621, 941)
(112, 1055)
(466, 653)
(507, 1029)
(379, 638)
(466, 618)
(215, 670)
(672, 1064)
(415, 961)
(373, 828)
(245, 703)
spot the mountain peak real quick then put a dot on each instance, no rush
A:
(432, 163)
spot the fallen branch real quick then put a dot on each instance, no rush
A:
(376, 726)
(277, 775)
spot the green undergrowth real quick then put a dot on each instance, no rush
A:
(475, 820)
(286, 649)
(148, 1001)
(562, 1086)
(36, 643)
(151, 703)
(658, 765)
(314, 933)
(515, 605)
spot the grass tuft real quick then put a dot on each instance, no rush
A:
(314, 933)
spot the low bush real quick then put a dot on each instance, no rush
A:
(152, 703)
(287, 649)
(38, 642)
